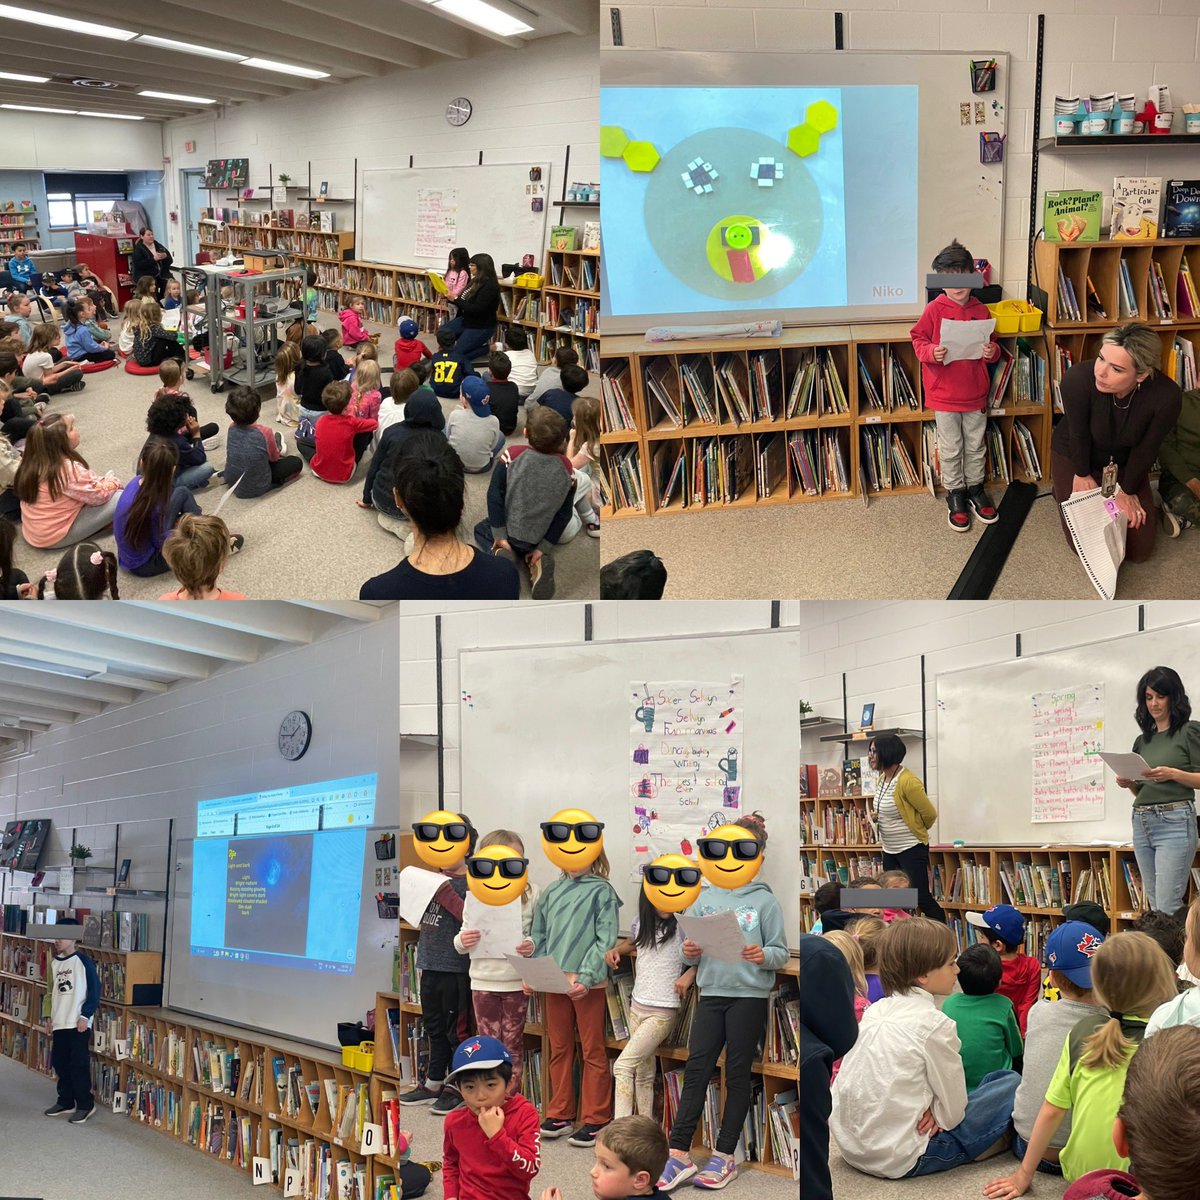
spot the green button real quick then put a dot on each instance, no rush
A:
(738, 236)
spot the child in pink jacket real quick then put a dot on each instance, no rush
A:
(354, 331)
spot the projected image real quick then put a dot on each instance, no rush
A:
(744, 199)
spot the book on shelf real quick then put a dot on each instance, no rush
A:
(562, 237)
(1187, 301)
(1181, 363)
(1136, 208)
(695, 373)
(1025, 448)
(805, 456)
(829, 783)
(834, 476)
(1159, 300)
(903, 469)
(591, 236)
(852, 777)
(996, 453)
(808, 780)
(770, 452)
(764, 384)
(1181, 209)
(930, 459)
(1133, 883)
(670, 473)
(661, 384)
(614, 384)
(1068, 304)
(1072, 216)
(626, 478)
(875, 460)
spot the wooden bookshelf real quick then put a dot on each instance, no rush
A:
(571, 305)
(19, 225)
(818, 407)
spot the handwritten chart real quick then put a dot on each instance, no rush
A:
(1068, 735)
(686, 771)
(437, 221)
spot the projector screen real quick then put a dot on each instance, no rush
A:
(274, 884)
(809, 188)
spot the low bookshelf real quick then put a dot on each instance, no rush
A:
(571, 305)
(18, 225)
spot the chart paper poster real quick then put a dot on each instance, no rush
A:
(1068, 735)
(437, 221)
(686, 768)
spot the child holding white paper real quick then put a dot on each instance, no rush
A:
(957, 393)
(496, 993)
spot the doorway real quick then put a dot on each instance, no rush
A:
(195, 200)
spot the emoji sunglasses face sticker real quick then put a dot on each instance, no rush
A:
(671, 883)
(572, 839)
(441, 839)
(497, 875)
(729, 856)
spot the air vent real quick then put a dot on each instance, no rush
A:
(96, 84)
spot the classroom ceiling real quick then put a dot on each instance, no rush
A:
(61, 662)
(352, 41)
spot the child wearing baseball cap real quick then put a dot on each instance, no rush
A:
(409, 348)
(1068, 956)
(1090, 913)
(473, 429)
(1003, 928)
(492, 1146)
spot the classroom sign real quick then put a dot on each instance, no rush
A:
(437, 222)
(1068, 735)
(686, 768)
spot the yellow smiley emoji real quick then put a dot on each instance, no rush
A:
(729, 856)
(671, 883)
(497, 875)
(572, 839)
(442, 839)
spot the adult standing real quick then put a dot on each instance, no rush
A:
(477, 303)
(1164, 803)
(904, 816)
(151, 258)
(1118, 408)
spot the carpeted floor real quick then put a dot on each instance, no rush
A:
(114, 1156)
(307, 541)
(963, 1183)
(899, 547)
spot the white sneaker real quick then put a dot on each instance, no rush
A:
(212, 443)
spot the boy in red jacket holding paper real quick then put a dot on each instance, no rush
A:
(492, 1147)
(956, 392)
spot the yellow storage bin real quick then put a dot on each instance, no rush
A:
(364, 1057)
(1015, 316)
(349, 1055)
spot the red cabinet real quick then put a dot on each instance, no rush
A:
(100, 252)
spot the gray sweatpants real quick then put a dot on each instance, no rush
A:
(960, 448)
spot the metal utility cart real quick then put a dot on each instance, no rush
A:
(259, 305)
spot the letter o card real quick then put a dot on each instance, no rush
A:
(291, 1182)
(261, 1171)
(119, 1099)
(372, 1139)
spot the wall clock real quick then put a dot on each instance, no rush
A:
(295, 734)
(458, 112)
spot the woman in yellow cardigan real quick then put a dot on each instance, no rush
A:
(904, 817)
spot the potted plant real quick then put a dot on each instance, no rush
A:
(79, 854)
(805, 709)
(285, 179)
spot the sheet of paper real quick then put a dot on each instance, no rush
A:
(500, 925)
(718, 935)
(1125, 766)
(1098, 530)
(542, 974)
(965, 339)
(417, 888)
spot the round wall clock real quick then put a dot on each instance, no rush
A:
(295, 734)
(458, 112)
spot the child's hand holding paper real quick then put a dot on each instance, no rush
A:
(967, 339)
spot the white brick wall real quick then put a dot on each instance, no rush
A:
(1089, 45)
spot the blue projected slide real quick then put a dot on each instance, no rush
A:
(742, 199)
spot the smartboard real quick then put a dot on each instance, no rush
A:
(300, 1004)
(985, 735)
(416, 216)
(548, 728)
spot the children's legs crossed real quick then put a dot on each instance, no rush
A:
(633, 1071)
(989, 1111)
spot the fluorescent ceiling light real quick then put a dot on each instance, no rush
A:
(111, 116)
(188, 48)
(71, 112)
(25, 78)
(50, 668)
(66, 112)
(484, 15)
(266, 64)
(177, 96)
(69, 23)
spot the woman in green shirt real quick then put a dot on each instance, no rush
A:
(1164, 804)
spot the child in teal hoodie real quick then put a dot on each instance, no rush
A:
(731, 1015)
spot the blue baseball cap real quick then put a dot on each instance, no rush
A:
(1069, 950)
(408, 328)
(1001, 921)
(475, 393)
(478, 1054)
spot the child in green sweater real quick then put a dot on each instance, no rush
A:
(989, 1037)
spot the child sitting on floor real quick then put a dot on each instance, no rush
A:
(172, 418)
(561, 398)
(40, 365)
(447, 370)
(522, 363)
(551, 377)
(149, 506)
(173, 296)
(472, 429)
(851, 951)
(581, 450)
(353, 321)
(340, 440)
(503, 393)
(128, 320)
(409, 348)
(985, 1021)
(339, 368)
(254, 458)
(365, 395)
(85, 572)
(287, 403)
(196, 550)
(1003, 927)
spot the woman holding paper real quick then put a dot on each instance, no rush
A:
(904, 815)
(1164, 804)
(1118, 408)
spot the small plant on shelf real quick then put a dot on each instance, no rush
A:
(805, 708)
(285, 179)
(78, 853)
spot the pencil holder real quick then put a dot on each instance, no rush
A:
(983, 77)
(1123, 121)
(991, 147)
(389, 906)
(385, 848)
(1094, 123)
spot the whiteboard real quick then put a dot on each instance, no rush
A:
(985, 735)
(485, 208)
(296, 1003)
(548, 728)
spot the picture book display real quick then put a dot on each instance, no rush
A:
(227, 172)
(1072, 216)
(1136, 207)
(1181, 211)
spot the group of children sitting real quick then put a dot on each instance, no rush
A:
(959, 1056)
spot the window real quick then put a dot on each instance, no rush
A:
(73, 210)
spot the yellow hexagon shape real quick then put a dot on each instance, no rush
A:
(613, 140)
(803, 140)
(822, 116)
(640, 156)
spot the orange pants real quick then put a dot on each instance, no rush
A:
(563, 1017)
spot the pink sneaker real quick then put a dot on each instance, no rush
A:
(718, 1172)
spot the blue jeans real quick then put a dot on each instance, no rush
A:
(472, 341)
(194, 477)
(1164, 843)
(1045, 1166)
(989, 1111)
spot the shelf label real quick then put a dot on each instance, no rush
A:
(291, 1182)
(872, 420)
(372, 1140)
(261, 1171)
(121, 1049)
(118, 1102)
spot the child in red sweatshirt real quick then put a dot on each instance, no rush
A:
(341, 439)
(409, 348)
(1003, 929)
(352, 317)
(492, 1147)
(957, 392)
